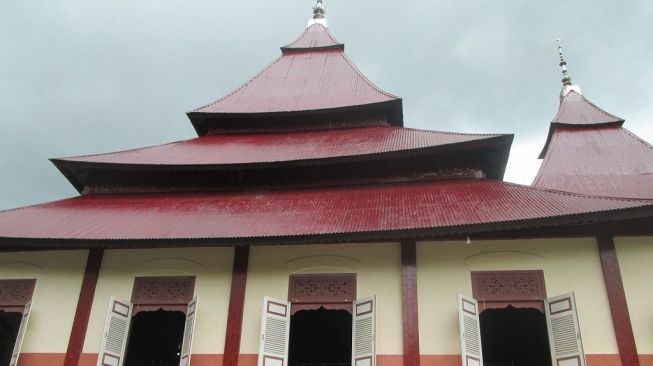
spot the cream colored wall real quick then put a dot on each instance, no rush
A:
(58, 277)
(378, 270)
(636, 263)
(211, 266)
(443, 270)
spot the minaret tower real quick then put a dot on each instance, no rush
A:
(588, 151)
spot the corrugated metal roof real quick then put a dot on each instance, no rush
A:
(280, 147)
(302, 81)
(605, 161)
(359, 209)
(575, 109)
(314, 36)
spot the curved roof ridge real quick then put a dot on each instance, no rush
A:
(121, 151)
(641, 140)
(576, 116)
(369, 82)
(295, 83)
(234, 91)
(453, 132)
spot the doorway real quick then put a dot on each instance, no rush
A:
(9, 324)
(155, 338)
(320, 337)
(514, 337)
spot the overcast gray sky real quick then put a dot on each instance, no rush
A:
(82, 76)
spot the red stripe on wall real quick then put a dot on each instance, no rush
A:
(381, 360)
(454, 360)
(409, 302)
(236, 306)
(646, 360)
(623, 329)
(90, 359)
(83, 312)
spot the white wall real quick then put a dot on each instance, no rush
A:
(443, 270)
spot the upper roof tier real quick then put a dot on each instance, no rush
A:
(312, 76)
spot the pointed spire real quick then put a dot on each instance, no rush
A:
(566, 79)
(318, 15)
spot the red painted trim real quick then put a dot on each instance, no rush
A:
(236, 306)
(83, 312)
(614, 286)
(409, 302)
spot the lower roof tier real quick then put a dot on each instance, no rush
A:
(462, 206)
(602, 161)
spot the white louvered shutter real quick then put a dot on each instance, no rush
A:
(363, 335)
(189, 327)
(564, 332)
(275, 330)
(20, 335)
(470, 332)
(116, 329)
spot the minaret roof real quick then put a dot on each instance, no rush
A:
(576, 110)
(588, 151)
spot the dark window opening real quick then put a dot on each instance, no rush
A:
(155, 338)
(514, 337)
(320, 338)
(9, 324)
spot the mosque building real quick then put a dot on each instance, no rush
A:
(306, 226)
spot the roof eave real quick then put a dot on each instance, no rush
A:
(573, 225)
(199, 119)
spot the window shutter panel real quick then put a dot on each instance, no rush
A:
(564, 332)
(186, 344)
(470, 332)
(363, 335)
(275, 330)
(20, 335)
(116, 329)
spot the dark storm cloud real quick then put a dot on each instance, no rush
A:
(81, 77)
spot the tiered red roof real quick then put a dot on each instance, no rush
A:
(588, 151)
(309, 150)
